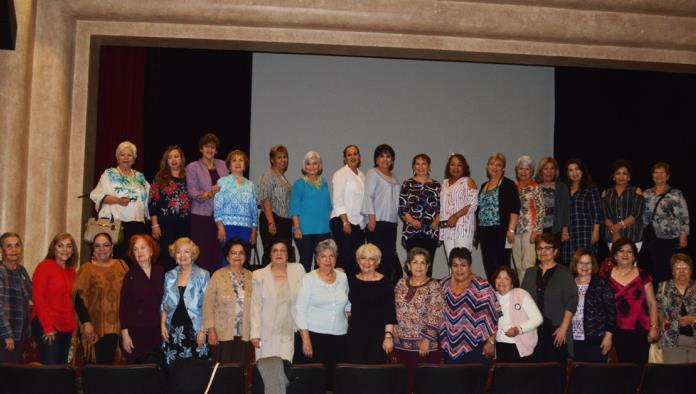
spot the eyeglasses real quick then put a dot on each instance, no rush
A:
(237, 254)
(540, 248)
(98, 246)
(625, 251)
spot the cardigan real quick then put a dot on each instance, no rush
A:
(220, 306)
(141, 297)
(560, 295)
(561, 208)
(52, 296)
(519, 310)
(321, 307)
(193, 296)
(508, 200)
(599, 310)
(198, 182)
(263, 299)
(669, 303)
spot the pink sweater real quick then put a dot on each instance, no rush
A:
(527, 341)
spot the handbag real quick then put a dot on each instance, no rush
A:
(655, 355)
(649, 231)
(99, 225)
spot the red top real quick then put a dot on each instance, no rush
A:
(51, 293)
(632, 311)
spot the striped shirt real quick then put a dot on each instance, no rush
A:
(275, 188)
(617, 207)
(470, 317)
(454, 197)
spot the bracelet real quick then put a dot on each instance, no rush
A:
(155, 225)
(295, 228)
(622, 224)
(391, 335)
(271, 224)
(346, 223)
(511, 231)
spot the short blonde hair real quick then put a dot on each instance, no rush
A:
(127, 145)
(539, 177)
(184, 241)
(497, 156)
(240, 153)
(369, 250)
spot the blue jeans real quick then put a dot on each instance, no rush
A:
(55, 352)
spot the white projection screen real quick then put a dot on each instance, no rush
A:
(324, 103)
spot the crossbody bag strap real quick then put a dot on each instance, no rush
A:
(657, 204)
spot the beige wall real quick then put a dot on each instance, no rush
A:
(46, 116)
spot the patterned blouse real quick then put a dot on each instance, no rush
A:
(135, 187)
(422, 202)
(579, 316)
(454, 198)
(275, 188)
(170, 200)
(669, 304)
(489, 208)
(617, 207)
(531, 209)
(235, 204)
(470, 317)
(419, 311)
(549, 196)
(672, 217)
(631, 305)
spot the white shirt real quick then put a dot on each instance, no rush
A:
(529, 307)
(348, 189)
(321, 307)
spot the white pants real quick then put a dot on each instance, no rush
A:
(523, 253)
(277, 345)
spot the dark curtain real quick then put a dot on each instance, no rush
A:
(643, 117)
(120, 105)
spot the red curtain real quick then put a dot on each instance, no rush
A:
(120, 105)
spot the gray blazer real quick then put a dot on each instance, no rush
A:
(561, 209)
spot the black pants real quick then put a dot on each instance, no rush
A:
(129, 230)
(545, 349)
(384, 237)
(55, 352)
(426, 243)
(493, 252)
(328, 349)
(508, 353)
(283, 233)
(306, 245)
(632, 346)
(105, 349)
(588, 350)
(655, 256)
(347, 245)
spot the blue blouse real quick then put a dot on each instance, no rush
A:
(193, 296)
(312, 204)
(235, 204)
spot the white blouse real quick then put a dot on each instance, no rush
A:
(348, 189)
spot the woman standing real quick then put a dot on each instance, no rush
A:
(585, 210)
(419, 208)
(201, 180)
(373, 315)
(15, 294)
(556, 199)
(636, 307)
(458, 203)
(321, 312)
(498, 210)
(552, 287)
(141, 294)
(676, 300)
(594, 321)
(97, 290)
(182, 304)
(122, 194)
(170, 205)
(274, 291)
(667, 216)
(419, 312)
(531, 219)
(517, 327)
(274, 198)
(347, 223)
(53, 316)
(227, 305)
(310, 207)
(381, 206)
(235, 204)
(622, 207)
(471, 313)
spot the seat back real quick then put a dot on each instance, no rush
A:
(118, 379)
(304, 379)
(229, 379)
(191, 376)
(450, 379)
(532, 378)
(668, 378)
(23, 378)
(370, 379)
(603, 378)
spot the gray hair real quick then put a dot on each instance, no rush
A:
(127, 145)
(526, 161)
(312, 155)
(327, 244)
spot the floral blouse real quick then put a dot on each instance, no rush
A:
(669, 305)
(672, 217)
(531, 208)
(422, 202)
(171, 199)
(419, 311)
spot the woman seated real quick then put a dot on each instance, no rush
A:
(227, 305)
(517, 327)
(594, 321)
(676, 300)
(182, 304)
(471, 313)
(373, 315)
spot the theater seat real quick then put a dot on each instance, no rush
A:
(304, 379)
(603, 378)
(228, 380)
(21, 379)
(123, 379)
(668, 379)
(532, 378)
(370, 379)
(193, 377)
(450, 379)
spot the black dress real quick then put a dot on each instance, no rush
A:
(182, 336)
(372, 307)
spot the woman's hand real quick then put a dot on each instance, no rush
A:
(165, 333)
(653, 335)
(212, 336)
(49, 337)
(595, 235)
(683, 240)
(200, 338)
(415, 224)
(307, 348)
(252, 237)
(606, 343)
(9, 344)
(256, 342)
(513, 332)
(489, 349)
(156, 232)
(297, 233)
(222, 235)
(88, 333)
(423, 347)
(687, 321)
(452, 221)
(388, 344)
(559, 336)
(372, 224)
(272, 230)
(510, 236)
(347, 229)
(565, 234)
(214, 189)
(123, 201)
(533, 236)
(127, 341)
